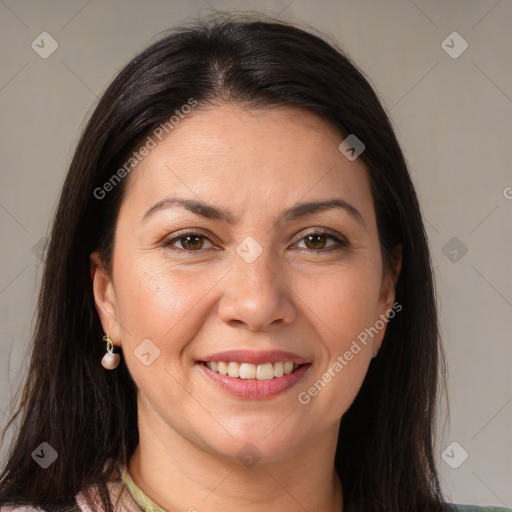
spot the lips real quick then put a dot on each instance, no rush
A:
(254, 375)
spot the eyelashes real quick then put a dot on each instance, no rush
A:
(316, 241)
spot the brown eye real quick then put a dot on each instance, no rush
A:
(315, 241)
(192, 242)
(189, 242)
(320, 242)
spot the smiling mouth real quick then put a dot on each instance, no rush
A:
(249, 371)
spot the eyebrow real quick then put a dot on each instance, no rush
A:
(297, 211)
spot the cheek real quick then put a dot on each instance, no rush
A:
(159, 301)
(148, 295)
(161, 309)
(341, 301)
(341, 304)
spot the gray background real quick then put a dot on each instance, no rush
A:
(453, 119)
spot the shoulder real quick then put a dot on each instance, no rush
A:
(19, 508)
(85, 501)
(89, 498)
(31, 508)
(122, 501)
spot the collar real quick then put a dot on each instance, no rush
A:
(145, 503)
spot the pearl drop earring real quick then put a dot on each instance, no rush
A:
(110, 360)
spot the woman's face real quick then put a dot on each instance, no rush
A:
(222, 256)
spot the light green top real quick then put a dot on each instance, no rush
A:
(474, 508)
(148, 505)
(140, 498)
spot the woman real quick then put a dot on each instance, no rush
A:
(239, 243)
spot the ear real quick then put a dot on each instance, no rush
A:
(387, 292)
(104, 298)
(396, 263)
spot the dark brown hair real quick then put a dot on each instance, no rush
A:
(88, 415)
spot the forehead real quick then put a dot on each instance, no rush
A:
(249, 158)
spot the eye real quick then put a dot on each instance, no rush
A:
(190, 241)
(318, 241)
(314, 241)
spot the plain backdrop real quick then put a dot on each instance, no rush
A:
(452, 110)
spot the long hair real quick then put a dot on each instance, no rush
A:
(88, 415)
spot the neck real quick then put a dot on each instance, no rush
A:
(178, 475)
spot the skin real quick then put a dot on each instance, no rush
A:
(254, 163)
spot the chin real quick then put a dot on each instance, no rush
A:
(249, 445)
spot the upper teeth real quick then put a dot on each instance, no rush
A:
(264, 371)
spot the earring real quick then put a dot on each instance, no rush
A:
(110, 359)
(375, 355)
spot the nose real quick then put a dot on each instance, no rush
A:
(257, 295)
